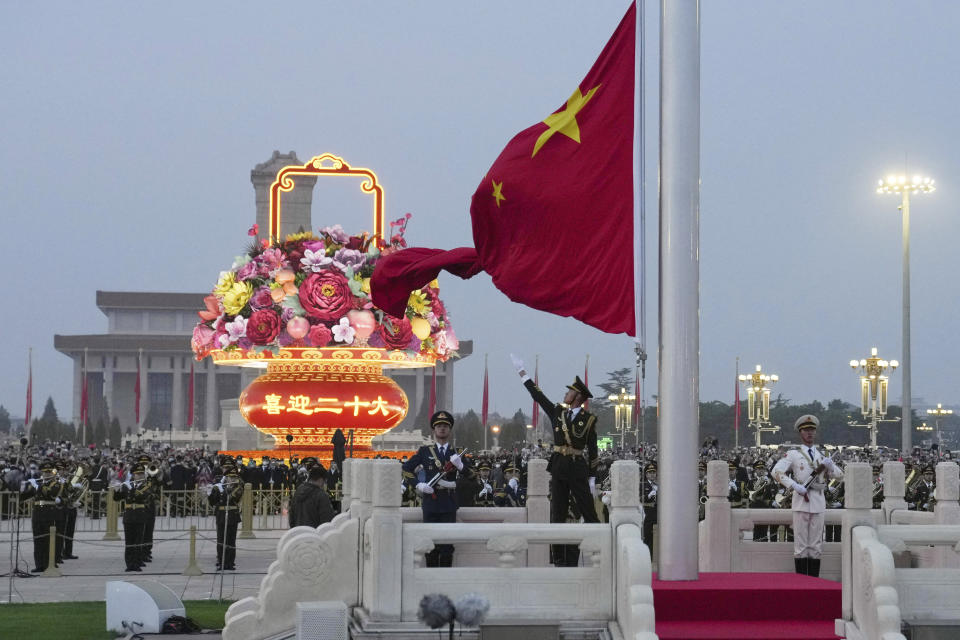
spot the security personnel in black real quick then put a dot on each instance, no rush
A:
(574, 431)
(648, 498)
(46, 497)
(438, 501)
(135, 494)
(225, 497)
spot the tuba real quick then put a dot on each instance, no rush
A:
(80, 482)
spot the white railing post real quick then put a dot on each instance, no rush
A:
(858, 501)
(894, 489)
(538, 508)
(716, 543)
(382, 544)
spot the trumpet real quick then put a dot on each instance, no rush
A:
(153, 471)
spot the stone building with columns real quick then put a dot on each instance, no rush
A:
(156, 328)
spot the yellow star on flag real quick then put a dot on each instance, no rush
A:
(565, 121)
(498, 192)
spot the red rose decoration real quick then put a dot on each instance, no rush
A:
(320, 336)
(326, 295)
(263, 326)
(396, 332)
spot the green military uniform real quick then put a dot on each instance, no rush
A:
(46, 498)
(135, 494)
(225, 497)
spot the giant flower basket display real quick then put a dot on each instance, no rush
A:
(299, 306)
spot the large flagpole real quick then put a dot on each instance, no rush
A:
(679, 287)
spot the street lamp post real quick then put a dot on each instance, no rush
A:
(937, 414)
(900, 185)
(496, 435)
(622, 411)
(873, 390)
(758, 401)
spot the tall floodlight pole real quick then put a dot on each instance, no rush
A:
(900, 185)
(873, 390)
(758, 401)
(679, 358)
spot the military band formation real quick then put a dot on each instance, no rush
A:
(53, 482)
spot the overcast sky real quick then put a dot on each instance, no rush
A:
(128, 132)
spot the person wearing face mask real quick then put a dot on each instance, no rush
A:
(571, 474)
(806, 471)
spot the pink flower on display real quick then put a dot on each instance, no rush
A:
(320, 336)
(343, 332)
(326, 296)
(263, 326)
(202, 341)
(247, 271)
(235, 330)
(261, 299)
(396, 332)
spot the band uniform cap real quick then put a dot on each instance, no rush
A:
(806, 421)
(441, 417)
(47, 466)
(759, 464)
(138, 468)
(580, 388)
(231, 473)
(650, 468)
(731, 464)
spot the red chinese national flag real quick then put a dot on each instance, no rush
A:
(553, 216)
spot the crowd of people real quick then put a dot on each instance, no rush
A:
(58, 479)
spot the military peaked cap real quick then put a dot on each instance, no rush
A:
(580, 388)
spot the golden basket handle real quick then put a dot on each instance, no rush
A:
(325, 165)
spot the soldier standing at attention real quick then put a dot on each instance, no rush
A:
(225, 497)
(439, 502)
(135, 494)
(807, 466)
(574, 431)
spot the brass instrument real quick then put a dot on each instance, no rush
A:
(81, 476)
(153, 471)
(762, 487)
(703, 499)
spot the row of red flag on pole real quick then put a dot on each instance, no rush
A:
(85, 393)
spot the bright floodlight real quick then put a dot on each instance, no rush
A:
(900, 184)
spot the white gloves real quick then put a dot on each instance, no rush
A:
(128, 485)
(456, 461)
(219, 486)
(799, 488)
(605, 498)
(593, 485)
(518, 365)
(33, 483)
(76, 485)
(424, 488)
(513, 483)
(652, 494)
(58, 500)
(447, 484)
(487, 490)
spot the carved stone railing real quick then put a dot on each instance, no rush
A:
(878, 596)
(371, 558)
(724, 545)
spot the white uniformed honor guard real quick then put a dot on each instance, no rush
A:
(806, 471)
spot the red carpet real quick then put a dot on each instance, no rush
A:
(785, 606)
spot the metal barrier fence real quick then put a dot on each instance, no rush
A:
(261, 509)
